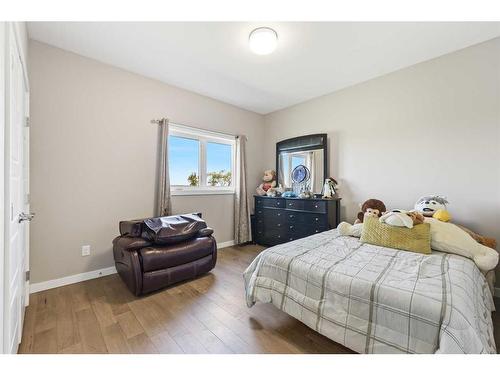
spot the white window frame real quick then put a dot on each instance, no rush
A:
(203, 137)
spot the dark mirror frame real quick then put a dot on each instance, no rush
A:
(304, 143)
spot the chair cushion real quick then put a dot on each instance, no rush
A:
(161, 257)
(172, 229)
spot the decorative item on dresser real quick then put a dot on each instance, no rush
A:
(280, 220)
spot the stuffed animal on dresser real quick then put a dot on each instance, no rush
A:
(268, 182)
(329, 188)
(373, 208)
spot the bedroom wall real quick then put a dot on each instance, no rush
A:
(430, 128)
(93, 155)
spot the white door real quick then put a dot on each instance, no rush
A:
(16, 219)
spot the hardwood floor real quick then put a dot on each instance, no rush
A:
(207, 315)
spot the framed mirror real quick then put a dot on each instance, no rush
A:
(309, 151)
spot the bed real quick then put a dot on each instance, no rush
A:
(373, 299)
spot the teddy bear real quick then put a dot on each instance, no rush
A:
(269, 182)
(371, 208)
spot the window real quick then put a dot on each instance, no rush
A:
(200, 162)
(296, 161)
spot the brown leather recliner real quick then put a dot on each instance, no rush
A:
(153, 253)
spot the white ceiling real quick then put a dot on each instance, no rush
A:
(213, 59)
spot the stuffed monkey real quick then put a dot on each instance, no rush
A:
(372, 207)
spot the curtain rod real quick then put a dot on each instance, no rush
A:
(157, 122)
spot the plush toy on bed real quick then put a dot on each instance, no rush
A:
(402, 218)
(435, 206)
(428, 205)
(269, 182)
(371, 208)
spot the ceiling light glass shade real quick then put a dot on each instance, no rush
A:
(263, 40)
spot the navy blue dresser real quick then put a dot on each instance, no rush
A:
(279, 220)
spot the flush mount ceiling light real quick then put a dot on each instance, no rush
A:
(263, 40)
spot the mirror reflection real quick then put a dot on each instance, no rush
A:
(312, 159)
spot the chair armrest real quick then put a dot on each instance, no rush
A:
(130, 243)
(205, 232)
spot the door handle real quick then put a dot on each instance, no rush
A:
(25, 217)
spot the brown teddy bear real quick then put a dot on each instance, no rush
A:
(373, 208)
(269, 182)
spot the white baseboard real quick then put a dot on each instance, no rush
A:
(497, 292)
(222, 245)
(50, 284)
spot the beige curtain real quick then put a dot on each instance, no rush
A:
(163, 202)
(242, 232)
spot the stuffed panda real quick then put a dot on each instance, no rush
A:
(428, 205)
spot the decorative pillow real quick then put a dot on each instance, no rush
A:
(416, 239)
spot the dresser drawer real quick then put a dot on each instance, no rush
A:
(259, 202)
(274, 224)
(305, 218)
(294, 204)
(292, 236)
(275, 236)
(301, 232)
(265, 202)
(306, 229)
(259, 223)
(294, 217)
(315, 206)
(271, 215)
(315, 219)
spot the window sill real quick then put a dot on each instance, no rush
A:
(201, 192)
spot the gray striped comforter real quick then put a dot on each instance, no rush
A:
(374, 299)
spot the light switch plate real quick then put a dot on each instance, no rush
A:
(85, 250)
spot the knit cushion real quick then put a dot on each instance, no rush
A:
(416, 239)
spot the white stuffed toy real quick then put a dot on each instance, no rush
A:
(397, 218)
(450, 238)
(428, 205)
(346, 229)
(402, 218)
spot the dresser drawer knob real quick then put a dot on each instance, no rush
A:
(290, 204)
(317, 230)
(292, 216)
(317, 219)
(279, 214)
(291, 226)
(315, 206)
(259, 212)
(278, 203)
(279, 236)
(279, 225)
(291, 238)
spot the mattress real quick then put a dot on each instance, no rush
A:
(373, 299)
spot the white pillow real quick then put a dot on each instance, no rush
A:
(449, 238)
